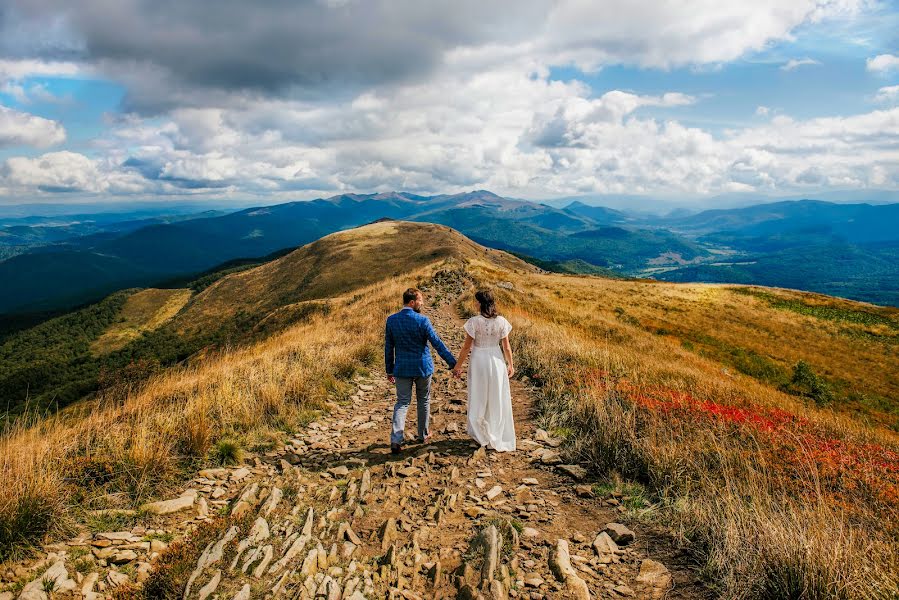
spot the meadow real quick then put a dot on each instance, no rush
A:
(774, 495)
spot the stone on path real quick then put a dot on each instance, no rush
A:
(87, 586)
(494, 492)
(208, 589)
(605, 547)
(551, 457)
(114, 579)
(655, 576)
(560, 565)
(210, 556)
(541, 435)
(57, 573)
(166, 507)
(491, 558)
(267, 554)
(584, 491)
(577, 472)
(365, 484)
(387, 533)
(244, 593)
(339, 471)
(619, 533)
(272, 502)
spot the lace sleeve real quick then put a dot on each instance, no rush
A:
(470, 326)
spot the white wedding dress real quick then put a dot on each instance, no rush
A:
(490, 420)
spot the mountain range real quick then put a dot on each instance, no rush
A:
(844, 249)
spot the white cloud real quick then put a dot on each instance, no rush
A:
(795, 63)
(23, 129)
(71, 172)
(512, 130)
(883, 63)
(17, 70)
(479, 110)
(887, 94)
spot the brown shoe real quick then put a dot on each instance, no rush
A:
(395, 448)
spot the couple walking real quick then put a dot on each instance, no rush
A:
(408, 360)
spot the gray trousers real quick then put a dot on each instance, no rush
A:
(403, 399)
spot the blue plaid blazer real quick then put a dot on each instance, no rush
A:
(406, 338)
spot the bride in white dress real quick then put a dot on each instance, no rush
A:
(490, 420)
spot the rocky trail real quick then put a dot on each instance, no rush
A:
(334, 515)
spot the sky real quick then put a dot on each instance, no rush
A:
(282, 99)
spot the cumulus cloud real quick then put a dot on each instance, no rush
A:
(795, 63)
(24, 129)
(67, 171)
(883, 63)
(16, 70)
(330, 95)
(887, 94)
(320, 48)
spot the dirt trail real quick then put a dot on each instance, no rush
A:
(333, 514)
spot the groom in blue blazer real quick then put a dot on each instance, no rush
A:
(408, 361)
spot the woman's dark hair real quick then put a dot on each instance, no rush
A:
(488, 304)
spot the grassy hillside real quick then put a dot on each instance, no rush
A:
(775, 495)
(129, 336)
(737, 411)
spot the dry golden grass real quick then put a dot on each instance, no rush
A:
(807, 508)
(120, 455)
(143, 311)
(329, 267)
(720, 322)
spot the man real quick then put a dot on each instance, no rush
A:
(408, 361)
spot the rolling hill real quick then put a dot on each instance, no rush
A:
(756, 426)
(86, 268)
(846, 250)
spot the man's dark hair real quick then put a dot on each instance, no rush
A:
(410, 295)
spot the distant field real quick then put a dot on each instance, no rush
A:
(143, 311)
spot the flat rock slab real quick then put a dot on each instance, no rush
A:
(166, 507)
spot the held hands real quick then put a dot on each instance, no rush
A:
(391, 379)
(457, 372)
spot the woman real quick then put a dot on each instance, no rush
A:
(490, 420)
